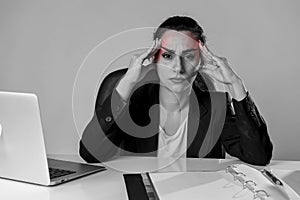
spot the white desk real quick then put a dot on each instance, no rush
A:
(110, 184)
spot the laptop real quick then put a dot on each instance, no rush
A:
(22, 149)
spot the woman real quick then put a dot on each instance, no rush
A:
(161, 109)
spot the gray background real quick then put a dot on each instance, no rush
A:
(44, 43)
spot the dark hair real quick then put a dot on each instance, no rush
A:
(181, 23)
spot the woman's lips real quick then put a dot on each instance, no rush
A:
(177, 80)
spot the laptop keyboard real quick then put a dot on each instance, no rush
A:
(54, 172)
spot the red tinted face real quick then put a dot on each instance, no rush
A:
(178, 60)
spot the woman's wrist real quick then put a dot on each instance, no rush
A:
(237, 89)
(124, 88)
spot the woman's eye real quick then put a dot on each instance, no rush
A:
(189, 57)
(167, 56)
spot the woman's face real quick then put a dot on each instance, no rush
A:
(178, 60)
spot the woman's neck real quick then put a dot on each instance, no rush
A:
(173, 101)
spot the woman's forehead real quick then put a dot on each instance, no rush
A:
(178, 39)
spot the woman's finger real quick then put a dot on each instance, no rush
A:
(138, 59)
(215, 74)
(216, 58)
(205, 51)
(212, 56)
(155, 48)
(208, 59)
(148, 58)
(212, 67)
(133, 60)
(210, 72)
(210, 53)
(151, 51)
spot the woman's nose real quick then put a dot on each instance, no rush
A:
(179, 64)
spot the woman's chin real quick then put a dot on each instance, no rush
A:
(178, 88)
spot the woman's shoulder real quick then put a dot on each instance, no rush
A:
(117, 74)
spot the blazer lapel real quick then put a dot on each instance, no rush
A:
(199, 121)
(199, 118)
(212, 117)
(148, 146)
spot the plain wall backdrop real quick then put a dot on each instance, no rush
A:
(44, 43)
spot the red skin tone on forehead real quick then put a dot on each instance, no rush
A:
(169, 38)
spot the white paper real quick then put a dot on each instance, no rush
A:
(215, 185)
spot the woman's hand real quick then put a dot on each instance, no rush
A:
(137, 70)
(219, 69)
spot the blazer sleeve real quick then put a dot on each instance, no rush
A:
(102, 137)
(245, 133)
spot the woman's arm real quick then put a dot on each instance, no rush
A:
(245, 133)
(102, 137)
(95, 144)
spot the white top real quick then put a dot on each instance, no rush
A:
(174, 145)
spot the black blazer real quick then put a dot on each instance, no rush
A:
(131, 128)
